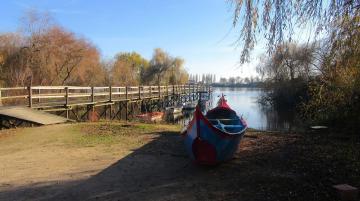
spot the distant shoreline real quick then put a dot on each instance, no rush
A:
(237, 86)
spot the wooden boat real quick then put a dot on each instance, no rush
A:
(214, 138)
(173, 117)
(190, 106)
(174, 110)
(151, 116)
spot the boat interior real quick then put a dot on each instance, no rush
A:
(225, 119)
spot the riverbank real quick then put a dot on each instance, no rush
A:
(132, 161)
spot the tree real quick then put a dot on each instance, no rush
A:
(129, 69)
(223, 80)
(247, 80)
(161, 61)
(49, 54)
(288, 72)
(238, 80)
(14, 70)
(231, 80)
(335, 92)
(176, 74)
(288, 62)
(276, 19)
(165, 69)
(107, 66)
(58, 57)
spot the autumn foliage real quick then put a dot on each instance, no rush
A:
(44, 53)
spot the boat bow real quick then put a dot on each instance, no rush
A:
(209, 143)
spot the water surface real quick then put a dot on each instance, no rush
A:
(245, 102)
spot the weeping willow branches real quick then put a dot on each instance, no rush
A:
(275, 20)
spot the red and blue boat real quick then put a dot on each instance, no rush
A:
(215, 137)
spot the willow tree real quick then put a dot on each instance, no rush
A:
(334, 95)
(128, 69)
(166, 69)
(275, 20)
(288, 62)
(177, 73)
(48, 54)
(13, 68)
(160, 62)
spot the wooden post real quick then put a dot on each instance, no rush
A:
(167, 90)
(110, 99)
(139, 92)
(30, 96)
(110, 94)
(92, 95)
(66, 96)
(39, 95)
(92, 98)
(126, 92)
(127, 111)
(150, 91)
(119, 111)
(0, 99)
(159, 89)
(188, 92)
(67, 101)
(126, 103)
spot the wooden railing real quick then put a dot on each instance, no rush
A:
(50, 96)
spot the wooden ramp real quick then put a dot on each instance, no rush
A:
(31, 115)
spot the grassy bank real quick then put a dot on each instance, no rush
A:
(132, 161)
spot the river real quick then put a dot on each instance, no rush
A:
(245, 102)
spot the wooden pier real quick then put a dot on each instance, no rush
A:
(92, 103)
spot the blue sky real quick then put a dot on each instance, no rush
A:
(200, 31)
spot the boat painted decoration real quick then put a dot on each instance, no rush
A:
(215, 137)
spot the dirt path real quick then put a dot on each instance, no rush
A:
(45, 154)
(117, 161)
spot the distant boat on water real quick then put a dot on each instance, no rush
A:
(174, 109)
(190, 105)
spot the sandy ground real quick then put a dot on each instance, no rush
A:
(128, 162)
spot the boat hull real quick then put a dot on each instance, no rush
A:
(151, 117)
(173, 110)
(207, 144)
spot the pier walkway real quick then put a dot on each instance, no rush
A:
(83, 103)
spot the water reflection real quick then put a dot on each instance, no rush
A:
(245, 102)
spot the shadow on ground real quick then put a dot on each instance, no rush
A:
(161, 170)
